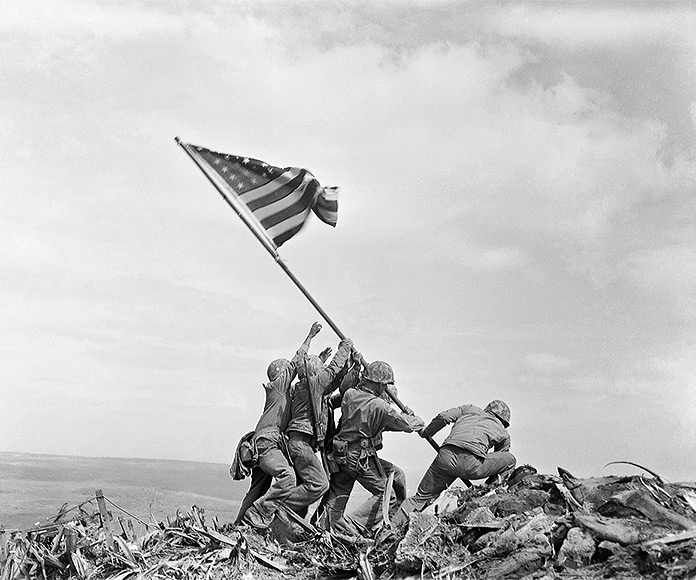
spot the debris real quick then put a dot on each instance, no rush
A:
(639, 502)
(413, 550)
(577, 549)
(657, 477)
(537, 527)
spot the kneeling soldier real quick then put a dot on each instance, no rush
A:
(465, 452)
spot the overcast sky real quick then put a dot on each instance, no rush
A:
(517, 220)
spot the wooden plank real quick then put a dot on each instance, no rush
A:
(3, 548)
(105, 518)
(673, 538)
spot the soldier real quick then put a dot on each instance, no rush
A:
(269, 438)
(465, 452)
(364, 417)
(308, 425)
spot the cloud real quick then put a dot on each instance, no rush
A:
(75, 19)
(597, 23)
(547, 363)
(678, 376)
(508, 224)
(668, 272)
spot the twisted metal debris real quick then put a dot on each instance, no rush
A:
(537, 526)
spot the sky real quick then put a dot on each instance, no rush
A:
(517, 220)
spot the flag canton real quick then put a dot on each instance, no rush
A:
(240, 173)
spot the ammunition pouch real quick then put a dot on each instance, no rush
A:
(331, 463)
(340, 450)
(367, 450)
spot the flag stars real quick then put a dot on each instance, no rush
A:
(225, 169)
(216, 162)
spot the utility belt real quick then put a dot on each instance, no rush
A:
(366, 449)
(303, 437)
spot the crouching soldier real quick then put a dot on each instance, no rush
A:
(465, 452)
(269, 439)
(364, 417)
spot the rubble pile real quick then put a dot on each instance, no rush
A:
(536, 527)
(185, 547)
(543, 526)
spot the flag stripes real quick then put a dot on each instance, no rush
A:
(279, 199)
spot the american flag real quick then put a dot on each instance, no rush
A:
(279, 199)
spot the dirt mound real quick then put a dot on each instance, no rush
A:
(535, 527)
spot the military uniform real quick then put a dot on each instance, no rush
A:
(308, 424)
(269, 440)
(464, 453)
(364, 417)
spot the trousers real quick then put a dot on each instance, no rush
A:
(272, 461)
(260, 483)
(453, 462)
(372, 473)
(312, 479)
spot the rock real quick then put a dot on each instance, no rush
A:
(412, 549)
(577, 550)
(521, 473)
(607, 549)
(523, 501)
(445, 504)
(519, 563)
(480, 515)
(619, 531)
(640, 502)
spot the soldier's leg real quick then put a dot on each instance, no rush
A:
(439, 476)
(340, 486)
(260, 482)
(374, 479)
(313, 482)
(495, 463)
(272, 460)
(369, 512)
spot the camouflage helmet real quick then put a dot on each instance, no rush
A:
(500, 410)
(277, 367)
(379, 372)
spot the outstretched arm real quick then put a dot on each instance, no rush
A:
(329, 373)
(442, 419)
(313, 331)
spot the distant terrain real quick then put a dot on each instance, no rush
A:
(34, 487)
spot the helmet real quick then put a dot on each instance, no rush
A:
(500, 410)
(314, 365)
(379, 372)
(277, 367)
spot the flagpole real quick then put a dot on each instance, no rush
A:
(276, 257)
(264, 241)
